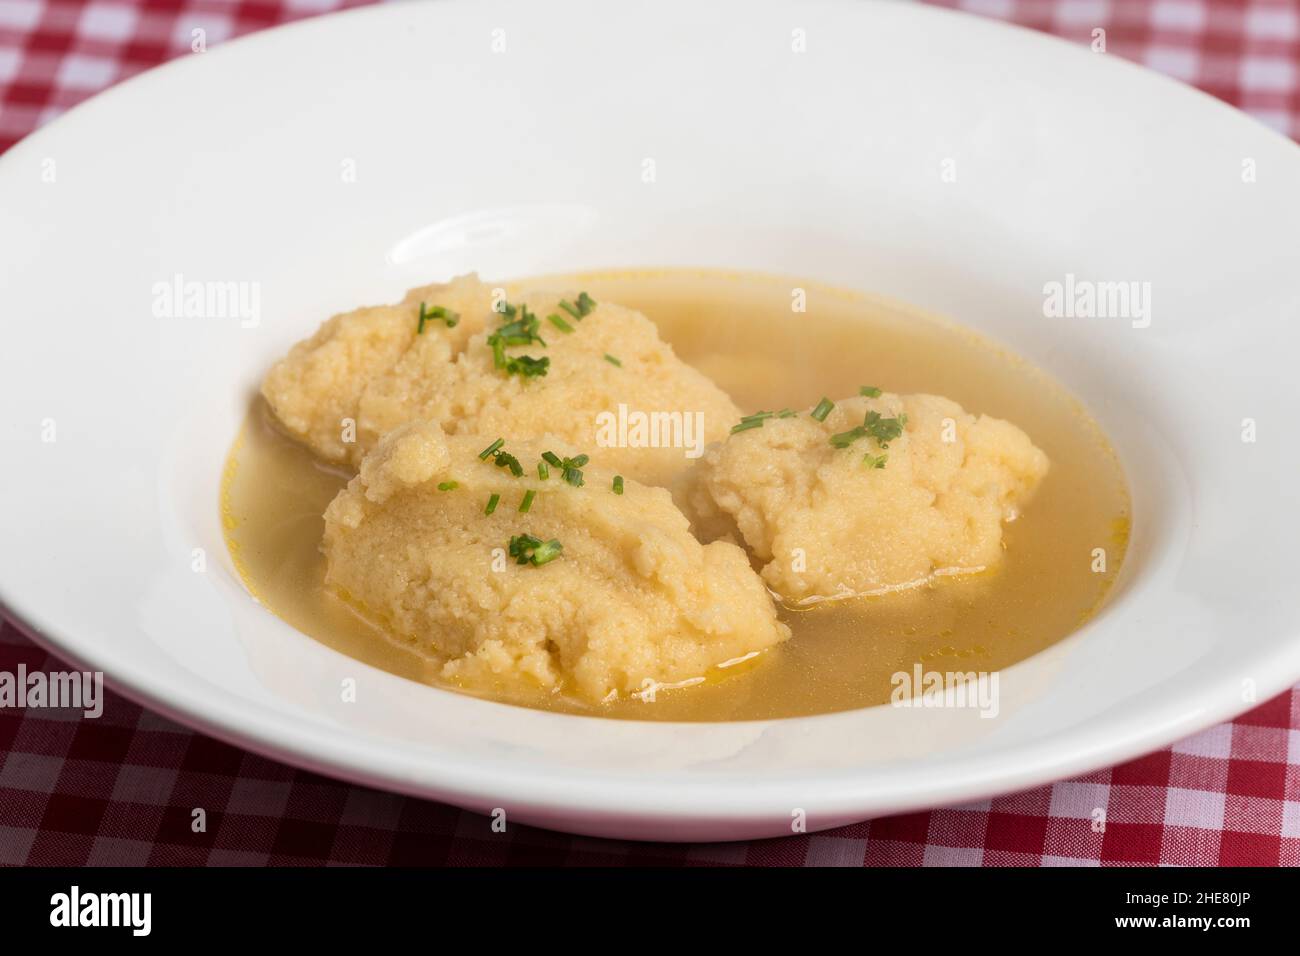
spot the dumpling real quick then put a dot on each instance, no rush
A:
(884, 493)
(479, 371)
(456, 547)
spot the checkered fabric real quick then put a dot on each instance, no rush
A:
(1246, 52)
(124, 788)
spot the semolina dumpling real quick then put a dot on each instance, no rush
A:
(882, 494)
(563, 369)
(578, 582)
(780, 564)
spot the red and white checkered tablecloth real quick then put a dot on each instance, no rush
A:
(121, 789)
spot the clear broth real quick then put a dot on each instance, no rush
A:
(741, 330)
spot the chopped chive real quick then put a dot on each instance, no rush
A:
(546, 553)
(752, 421)
(874, 425)
(507, 460)
(869, 391)
(518, 331)
(527, 367)
(527, 503)
(823, 409)
(618, 484)
(526, 549)
(492, 504)
(570, 468)
(570, 308)
(612, 361)
(522, 547)
(559, 323)
(874, 461)
(429, 313)
(585, 303)
(490, 450)
(883, 430)
(522, 331)
(542, 471)
(845, 439)
(756, 420)
(448, 485)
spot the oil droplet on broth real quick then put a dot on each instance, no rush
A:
(741, 331)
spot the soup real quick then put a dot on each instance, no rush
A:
(746, 333)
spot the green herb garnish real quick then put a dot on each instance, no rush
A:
(570, 468)
(845, 439)
(503, 458)
(527, 503)
(875, 426)
(526, 366)
(618, 484)
(492, 504)
(507, 460)
(526, 549)
(756, 420)
(612, 360)
(884, 430)
(429, 313)
(573, 470)
(543, 472)
(869, 391)
(546, 553)
(448, 485)
(823, 409)
(559, 323)
(583, 309)
(522, 329)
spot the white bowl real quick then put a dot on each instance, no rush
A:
(234, 165)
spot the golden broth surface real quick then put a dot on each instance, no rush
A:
(742, 331)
